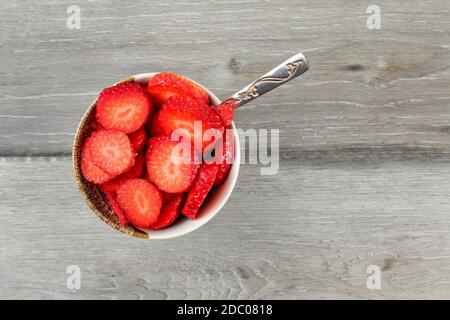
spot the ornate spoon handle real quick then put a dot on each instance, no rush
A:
(288, 70)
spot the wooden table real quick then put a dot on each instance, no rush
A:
(364, 173)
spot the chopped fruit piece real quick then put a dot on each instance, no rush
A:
(166, 84)
(138, 139)
(111, 151)
(169, 170)
(227, 157)
(140, 201)
(90, 171)
(123, 107)
(169, 212)
(226, 112)
(116, 208)
(203, 183)
(135, 172)
(213, 117)
(181, 112)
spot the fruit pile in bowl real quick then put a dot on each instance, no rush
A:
(151, 152)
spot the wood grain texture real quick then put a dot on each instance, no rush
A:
(364, 148)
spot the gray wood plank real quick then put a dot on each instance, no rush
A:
(364, 149)
(380, 87)
(313, 234)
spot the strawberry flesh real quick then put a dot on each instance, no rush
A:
(203, 183)
(140, 201)
(123, 107)
(116, 208)
(169, 212)
(167, 84)
(90, 171)
(111, 151)
(183, 112)
(138, 139)
(135, 172)
(169, 170)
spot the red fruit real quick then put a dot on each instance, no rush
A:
(226, 112)
(138, 139)
(116, 208)
(169, 170)
(169, 212)
(166, 84)
(135, 172)
(123, 107)
(111, 151)
(203, 183)
(224, 164)
(181, 112)
(90, 171)
(140, 201)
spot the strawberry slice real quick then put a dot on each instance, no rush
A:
(90, 171)
(169, 212)
(116, 208)
(123, 107)
(181, 112)
(138, 139)
(140, 201)
(135, 172)
(111, 151)
(226, 112)
(169, 170)
(224, 164)
(203, 183)
(167, 84)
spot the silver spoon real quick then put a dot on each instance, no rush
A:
(288, 70)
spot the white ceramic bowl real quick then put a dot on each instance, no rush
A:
(212, 205)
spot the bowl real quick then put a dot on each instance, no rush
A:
(98, 203)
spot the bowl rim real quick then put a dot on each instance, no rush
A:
(162, 233)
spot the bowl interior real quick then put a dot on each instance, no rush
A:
(100, 206)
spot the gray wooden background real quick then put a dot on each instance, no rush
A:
(364, 173)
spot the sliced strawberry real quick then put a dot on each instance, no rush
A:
(169, 170)
(181, 112)
(138, 139)
(203, 183)
(166, 84)
(116, 208)
(224, 163)
(135, 172)
(111, 151)
(226, 112)
(169, 212)
(90, 171)
(123, 107)
(140, 201)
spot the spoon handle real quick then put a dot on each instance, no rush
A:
(288, 70)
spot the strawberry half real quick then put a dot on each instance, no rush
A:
(111, 151)
(90, 171)
(203, 183)
(138, 139)
(140, 201)
(116, 208)
(181, 112)
(167, 84)
(169, 170)
(135, 172)
(123, 107)
(169, 212)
